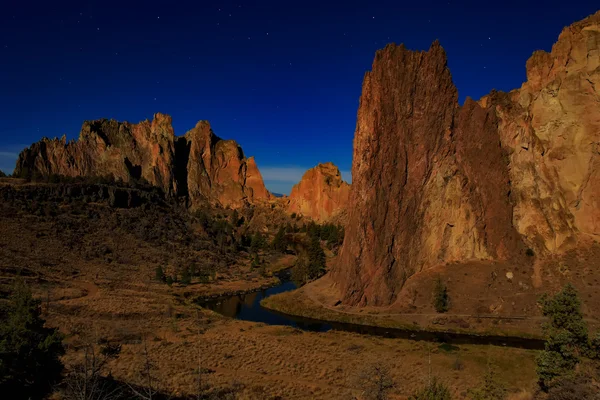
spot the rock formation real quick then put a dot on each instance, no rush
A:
(434, 182)
(199, 164)
(321, 194)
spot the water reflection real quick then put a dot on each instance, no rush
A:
(247, 307)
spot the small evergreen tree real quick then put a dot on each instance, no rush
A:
(257, 243)
(186, 276)
(160, 274)
(316, 258)
(279, 242)
(566, 336)
(234, 218)
(441, 300)
(255, 261)
(29, 352)
(170, 280)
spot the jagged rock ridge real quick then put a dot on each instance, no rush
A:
(321, 194)
(198, 165)
(435, 183)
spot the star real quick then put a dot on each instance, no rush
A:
(97, 28)
(157, 17)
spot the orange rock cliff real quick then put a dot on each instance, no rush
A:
(199, 164)
(321, 194)
(434, 182)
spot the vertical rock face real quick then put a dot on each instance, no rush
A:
(430, 180)
(551, 129)
(321, 194)
(218, 170)
(434, 182)
(198, 165)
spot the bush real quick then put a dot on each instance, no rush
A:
(491, 389)
(434, 390)
(160, 274)
(29, 352)
(186, 276)
(441, 300)
(375, 382)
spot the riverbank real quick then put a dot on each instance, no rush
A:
(318, 301)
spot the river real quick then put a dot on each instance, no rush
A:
(247, 307)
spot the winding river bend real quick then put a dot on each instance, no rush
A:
(247, 307)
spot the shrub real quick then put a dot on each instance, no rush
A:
(491, 389)
(160, 274)
(375, 382)
(169, 280)
(29, 352)
(434, 390)
(186, 276)
(441, 300)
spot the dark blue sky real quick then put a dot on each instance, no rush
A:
(282, 78)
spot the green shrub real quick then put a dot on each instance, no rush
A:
(29, 352)
(160, 274)
(491, 389)
(441, 300)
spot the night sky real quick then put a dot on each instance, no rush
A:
(282, 78)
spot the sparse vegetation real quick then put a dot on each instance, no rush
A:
(433, 390)
(441, 300)
(375, 382)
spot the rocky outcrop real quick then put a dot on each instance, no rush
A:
(321, 194)
(106, 147)
(198, 165)
(218, 170)
(435, 183)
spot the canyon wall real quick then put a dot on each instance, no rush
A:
(434, 182)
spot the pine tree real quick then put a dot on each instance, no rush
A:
(186, 276)
(29, 352)
(279, 242)
(566, 336)
(316, 258)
